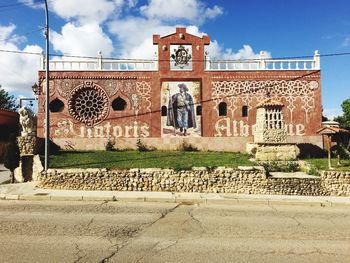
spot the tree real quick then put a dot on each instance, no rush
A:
(12, 155)
(344, 138)
(6, 101)
(344, 120)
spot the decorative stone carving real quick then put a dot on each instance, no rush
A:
(143, 89)
(64, 87)
(181, 56)
(270, 138)
(88, 103)
(26, 119)
(26, 145)
(270, 127)
(290, 90)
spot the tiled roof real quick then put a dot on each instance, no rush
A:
(269, 103)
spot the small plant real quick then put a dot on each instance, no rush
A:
(291, 167)
(141, 147)
(187, 147)
(313, 171)
(110, 145)
(281, 166)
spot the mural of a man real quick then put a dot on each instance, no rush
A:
(181, 110)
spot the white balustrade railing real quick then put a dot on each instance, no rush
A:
(263, 64)
(100, 64)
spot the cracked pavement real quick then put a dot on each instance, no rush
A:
(39, 231)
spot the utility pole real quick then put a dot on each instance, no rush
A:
(47, 90)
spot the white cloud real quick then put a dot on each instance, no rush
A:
(217, 51)
(346, 42)
(6, 31)
(188, 10)
(86, 11)
(7, 35)
(84, 40)
(83, 37)
(213, 12)
(331, 113)
(135, 36)
(19, 72)
(33, 4)
(139, 44)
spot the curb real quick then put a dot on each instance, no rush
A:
(177, 199)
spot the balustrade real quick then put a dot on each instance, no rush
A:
(100, 64)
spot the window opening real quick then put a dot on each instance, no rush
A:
(222, 109)
(119, 104)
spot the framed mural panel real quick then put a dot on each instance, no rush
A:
(181, 108)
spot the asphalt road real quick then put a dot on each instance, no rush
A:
(36, 231)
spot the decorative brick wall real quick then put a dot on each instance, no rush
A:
(220, 180)
(83, 113)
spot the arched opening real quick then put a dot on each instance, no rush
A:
(199, 110)
(56, 105)
(245, 111)
(222, 109)
(119, 104)
(164, 111)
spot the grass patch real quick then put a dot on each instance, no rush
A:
(322, 164)
(178, 160)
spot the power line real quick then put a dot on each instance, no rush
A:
(19, 52)
(24, 34)
(4, 8)
(162, 60)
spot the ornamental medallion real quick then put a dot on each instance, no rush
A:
(181, 56)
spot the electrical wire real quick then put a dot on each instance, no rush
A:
(8, 7)
(24, 34)
(165, 60)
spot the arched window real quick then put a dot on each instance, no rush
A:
(119, 104)
(199, 110)
(164, 111)
(245, 111)
(222, 109)
(56, 105)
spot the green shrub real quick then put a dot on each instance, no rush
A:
(110, 145)
(292, 167)
(313, 171)
(275, 166)
(141, 147)
(187, 147)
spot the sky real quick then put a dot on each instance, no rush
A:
(238, 29)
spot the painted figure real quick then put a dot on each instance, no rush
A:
(181, 110)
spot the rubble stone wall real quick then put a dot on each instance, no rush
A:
(336, 182)
(220, 180)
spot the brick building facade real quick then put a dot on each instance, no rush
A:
(92, 101)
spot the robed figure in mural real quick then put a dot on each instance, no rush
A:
(181, 110)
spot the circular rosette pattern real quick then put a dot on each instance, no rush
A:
(88, 104)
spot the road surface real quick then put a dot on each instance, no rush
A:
(38, 231)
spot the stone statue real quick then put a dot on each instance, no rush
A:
(26, 119)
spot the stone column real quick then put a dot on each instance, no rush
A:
(27, 145)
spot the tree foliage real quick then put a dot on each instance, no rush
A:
(344, 120)
(7, 101)
(12, 155)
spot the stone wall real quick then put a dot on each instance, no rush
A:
(336, 182)
(220, 180)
